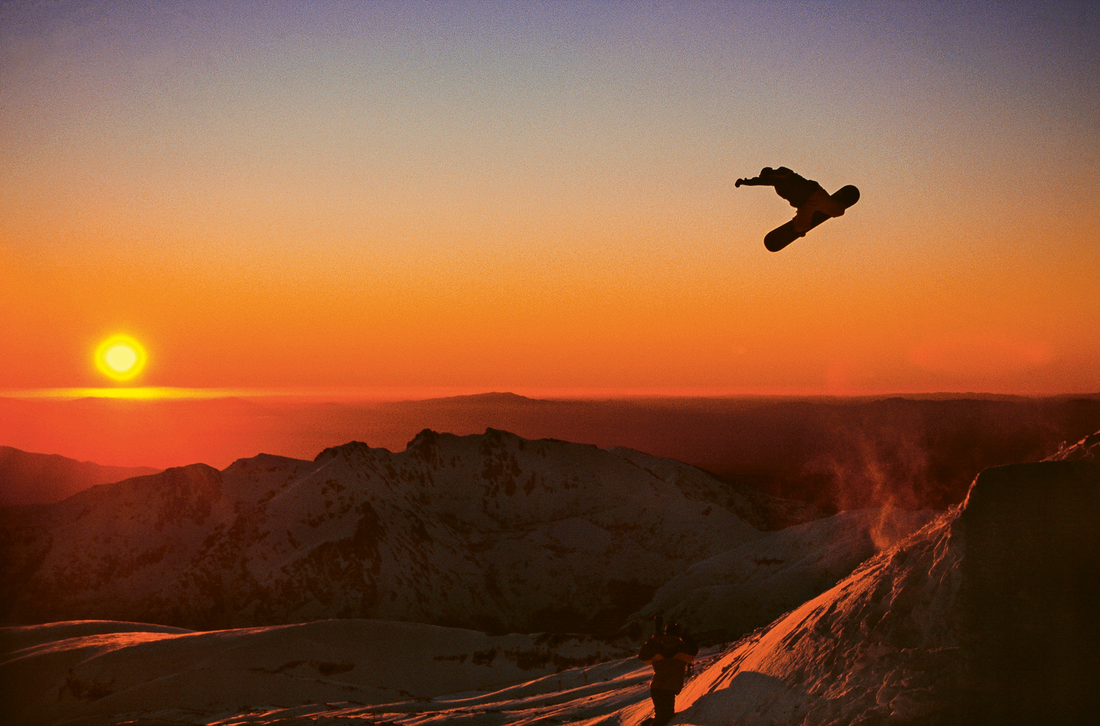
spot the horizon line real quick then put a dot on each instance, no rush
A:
(425, 393)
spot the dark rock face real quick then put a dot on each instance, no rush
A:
(1029, 596)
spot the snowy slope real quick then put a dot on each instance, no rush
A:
(492, 532)
(1087, 449)
(988, 615)
(747, 587)
(97, 671)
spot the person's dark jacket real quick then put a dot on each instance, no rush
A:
(669, 655)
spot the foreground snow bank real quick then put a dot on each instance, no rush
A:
(95, 672)
(987, 615)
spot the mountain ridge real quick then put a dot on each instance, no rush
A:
(33, 478)
(489, 531)
(838, 453)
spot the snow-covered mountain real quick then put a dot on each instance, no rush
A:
(492, 532)
(984, 616)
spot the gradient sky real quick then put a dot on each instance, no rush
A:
(524, 196)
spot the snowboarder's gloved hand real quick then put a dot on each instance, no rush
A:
(738, 183)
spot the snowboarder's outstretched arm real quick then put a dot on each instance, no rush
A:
(768, 177)
(754, 182)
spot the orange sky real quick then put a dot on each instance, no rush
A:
(539, 198)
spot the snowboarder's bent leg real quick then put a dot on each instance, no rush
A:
(802, 220)
(819, 201)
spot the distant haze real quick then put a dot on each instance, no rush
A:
(841, 453)
(29, 478)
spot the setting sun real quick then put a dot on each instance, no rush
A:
(120, 357)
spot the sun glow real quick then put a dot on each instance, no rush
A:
(120, 358)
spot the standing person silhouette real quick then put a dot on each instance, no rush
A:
(670, 654)
(805, 195)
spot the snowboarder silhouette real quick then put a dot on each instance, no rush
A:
(670, 654)
(805, 195)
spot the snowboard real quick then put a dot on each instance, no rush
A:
(782, 236)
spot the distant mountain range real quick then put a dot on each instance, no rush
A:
(488, 531)
(838, 453)
(27, 478)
